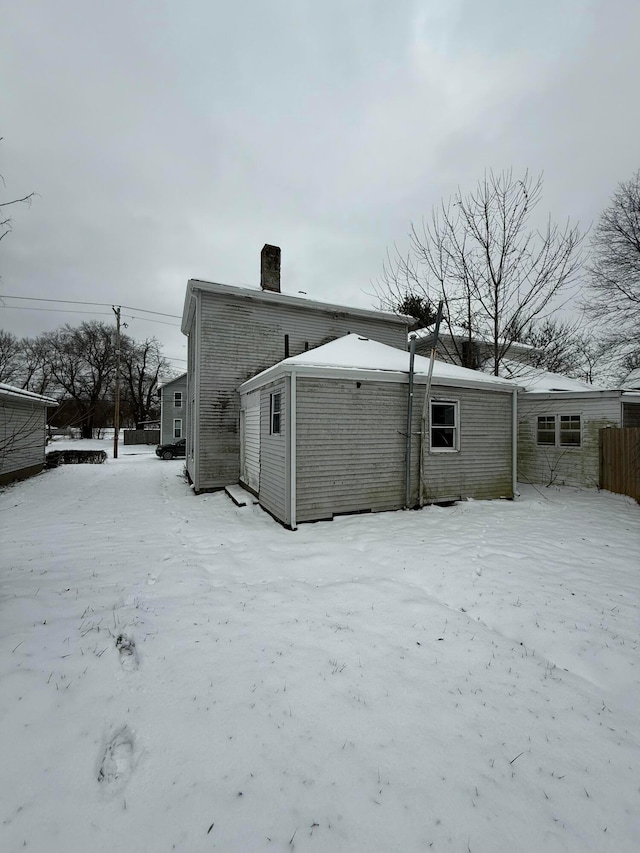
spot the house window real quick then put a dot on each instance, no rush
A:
(547, 430)
(177, 427)
(559, 431)
(444, 426)
(177, 399)
(569, 430)
(276, 403)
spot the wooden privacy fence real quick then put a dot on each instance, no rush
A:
(141, 436)
(620, 461)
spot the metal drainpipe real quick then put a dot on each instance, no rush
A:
(425, 405)
(293, 463)
(412, 355)
(514, 444)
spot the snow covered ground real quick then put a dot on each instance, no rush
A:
(177, 673)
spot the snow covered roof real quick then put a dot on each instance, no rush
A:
(534, 379)
(20, 393)
(632, 381)
(355, 353)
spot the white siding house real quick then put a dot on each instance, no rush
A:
(559, 423)
(235, 332)
(333, 425)
(23, 419)
(173, 410)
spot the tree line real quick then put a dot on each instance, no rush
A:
(504, 279)
(77, 365)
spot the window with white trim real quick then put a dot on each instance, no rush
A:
(559, 431)
(177, 399)
(276, 413)
(177, 427)
(444, 429)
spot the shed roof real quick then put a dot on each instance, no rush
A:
(22, 394)
(534, 379)
(353, 353)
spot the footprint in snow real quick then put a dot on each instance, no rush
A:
(128, 652)
(117, 762)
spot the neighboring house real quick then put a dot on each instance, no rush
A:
(456, 346)
(173, 409)
(324, 432)
(23, 420)
(234, 333)
(559, 422)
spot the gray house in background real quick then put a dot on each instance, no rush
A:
(236, 332)
(457, 346)
(324, 432)
(173, 409)
(559, 423)
(23, 420)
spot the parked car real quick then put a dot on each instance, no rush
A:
(173, 450)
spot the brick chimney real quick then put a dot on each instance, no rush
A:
(270, 268)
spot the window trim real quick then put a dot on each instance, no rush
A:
(177, 399)
(455, 448)
(177, 429)
(275, 414)
(557, 419)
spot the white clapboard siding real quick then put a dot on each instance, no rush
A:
(240, 337)
(251, 451)
(351, 447)
(22, 436)
(570, 466)
(273, 494)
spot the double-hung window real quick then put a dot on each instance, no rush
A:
(276, 413)
(445, 428)
(177, 399)
(177, 427)
(559, 431)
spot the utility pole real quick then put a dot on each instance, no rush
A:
(116, 405)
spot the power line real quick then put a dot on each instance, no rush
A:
(64, 310)
(81, 302)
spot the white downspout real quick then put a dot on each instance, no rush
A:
(292, 451)
(514, 444)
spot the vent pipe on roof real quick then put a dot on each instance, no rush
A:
(270, 268)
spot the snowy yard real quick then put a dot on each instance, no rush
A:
(177, 673)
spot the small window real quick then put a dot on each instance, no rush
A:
(177, 399)
(559, 431)
(547, 430)
(569, 430)
(444, 426)
(177, 427)
(276, 402)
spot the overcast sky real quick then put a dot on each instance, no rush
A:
(171, 140)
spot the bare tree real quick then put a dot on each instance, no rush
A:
(567, 347)
(5, 219)
(142, 365)
(480, 254)
(83, 365)
(613, 298)
(10, 358)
